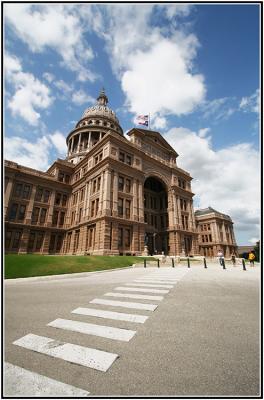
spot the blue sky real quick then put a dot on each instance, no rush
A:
(194, 68)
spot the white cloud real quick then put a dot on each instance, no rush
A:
(30, 94)
(53, 26)
(64, 86)
(36, 154)
(80, 97)
(158, 82)
(203, 132)
(227, 179)
(158, 123)
(24, 152)
(48, 76)
(59, 142)
(251, 103)
(155, 67)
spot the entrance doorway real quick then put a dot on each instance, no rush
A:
(156, 216)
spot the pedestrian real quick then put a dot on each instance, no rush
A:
(220, 256)
(251, 258)
(233, 259)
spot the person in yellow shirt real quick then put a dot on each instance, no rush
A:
(251, 258)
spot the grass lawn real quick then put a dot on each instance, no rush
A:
(23, 266)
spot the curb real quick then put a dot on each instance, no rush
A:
(61, 276)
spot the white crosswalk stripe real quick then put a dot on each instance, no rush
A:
(94, 312)
(85, 356)
(146, 290)
(149, 285)
(134, 296)
(125, 304)
(19, 382)
(155, 281)
(93, 329)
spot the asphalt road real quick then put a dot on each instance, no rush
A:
(202, 340)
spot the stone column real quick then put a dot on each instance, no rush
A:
(101, 195)
(8, 194)
(179, 209)
(107, 193)
(141, 201)
(30, 205)
(86, 201)
(170, 209)
(72, 140)
(175, 210)
(115, 194)
(89, 140)
(51, 208)
(79, 142)
(224, 232)
(192, 215)
(134, 201)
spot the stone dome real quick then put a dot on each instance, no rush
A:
(100, 109)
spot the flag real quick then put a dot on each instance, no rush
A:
(142, 120)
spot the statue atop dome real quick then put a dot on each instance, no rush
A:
(102, 99)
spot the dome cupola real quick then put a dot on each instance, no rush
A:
(96, 122)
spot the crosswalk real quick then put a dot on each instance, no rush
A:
(150, 287)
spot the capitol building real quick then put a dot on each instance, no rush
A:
(110, 196)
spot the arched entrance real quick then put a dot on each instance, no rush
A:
(156, 216)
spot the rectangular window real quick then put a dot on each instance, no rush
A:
(128, 206)
(58, 199)
(210, 238)
(121, 183)
(61, 220)
(127, 238)
(67, 178)
(61, 176)
(8, 236)
(39, 194)
(92, 208)
(120, 207)
(52, 242)
(121, 156)
(13, 211)
(91, 234)
(99, 183)
(128, 185)
(18, 189)
(96, 206)
(16, 240)
(35, 215)
(31, 241)
(72, 217)
(21, 212)
(94, 185)
(80, 214)
(26, 192)
(161, 222)
(46, 196)
(55, 217)
(128, 159)
(64, 200)
(59, 243)
(82, 195)
(43, 214)
(40, 237)
(120, 237)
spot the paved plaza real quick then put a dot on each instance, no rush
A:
(134, 332)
